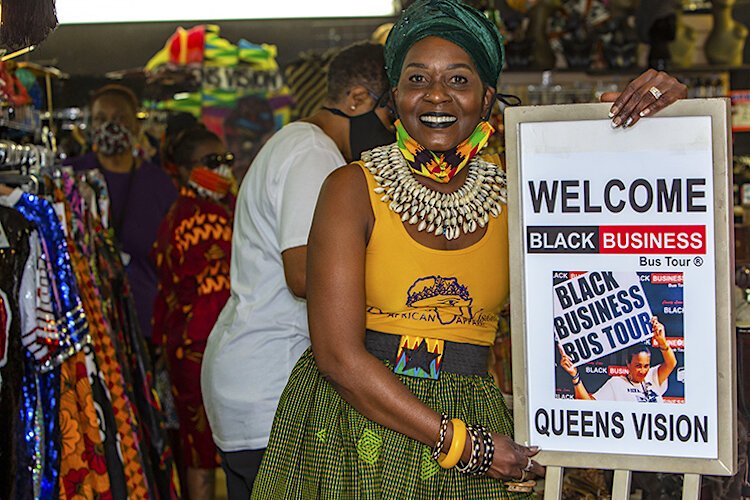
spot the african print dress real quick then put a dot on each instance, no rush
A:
(192, 255)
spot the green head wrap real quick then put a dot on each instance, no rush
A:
(453, 21)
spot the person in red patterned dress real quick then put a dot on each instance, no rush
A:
(192, 254)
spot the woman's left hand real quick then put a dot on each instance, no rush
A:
(659, 333)
(652, 91)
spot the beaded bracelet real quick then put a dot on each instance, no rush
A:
(438, 449)
(489, 451)
(476, 452)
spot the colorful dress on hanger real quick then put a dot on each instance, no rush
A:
(60, 340)
(75, 464)
(117, 418)
(119, 312)
(192, 254)
(79, 416)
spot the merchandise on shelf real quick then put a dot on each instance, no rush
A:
(237, 90)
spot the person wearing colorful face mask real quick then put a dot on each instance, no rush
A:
(263, 328)
(140, 192)
(407, 273)
(192, 255)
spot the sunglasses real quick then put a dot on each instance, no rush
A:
(383, 101)
(217, 160)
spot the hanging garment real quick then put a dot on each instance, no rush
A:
(97, 448)
(107, 275)
(15, 232)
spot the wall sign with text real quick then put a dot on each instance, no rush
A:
(623, 346)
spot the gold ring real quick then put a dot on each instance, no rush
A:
(655, 92)
(529, 465)
(523, 476)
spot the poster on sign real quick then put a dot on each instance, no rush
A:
(623, 353)
(604, 323)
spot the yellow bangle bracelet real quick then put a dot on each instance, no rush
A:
(450, 460)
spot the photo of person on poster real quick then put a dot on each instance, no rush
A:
(642, 383)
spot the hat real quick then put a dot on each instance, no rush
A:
(453, 21)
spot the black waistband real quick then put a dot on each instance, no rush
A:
(458, 358)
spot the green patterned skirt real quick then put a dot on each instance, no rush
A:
(321, 448)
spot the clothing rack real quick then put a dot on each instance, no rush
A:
(23, 165)
(76, 366)
(28, 182)
(24, 157)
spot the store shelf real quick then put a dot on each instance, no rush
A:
(702, 68)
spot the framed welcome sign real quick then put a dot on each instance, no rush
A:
(621, 257)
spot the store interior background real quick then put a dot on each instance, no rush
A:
(87, 53)
(90, 54)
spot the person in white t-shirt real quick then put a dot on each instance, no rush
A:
(262, 330)
(643, 383)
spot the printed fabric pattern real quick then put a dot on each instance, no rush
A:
(192, 255)
(120, 371)
(441, 168)
(127, 472)
(321, 447)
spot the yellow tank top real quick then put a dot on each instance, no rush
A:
(451, 295)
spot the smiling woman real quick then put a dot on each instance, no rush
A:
(407, 273)
(643, 382)
(440, 95)
(408, 306)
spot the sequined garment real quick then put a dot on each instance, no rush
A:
(88, 425)
(72, 329)
(68, 336)
(64, 341)
(14, 251)
(192, 254)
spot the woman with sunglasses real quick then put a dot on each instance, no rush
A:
(192, 255)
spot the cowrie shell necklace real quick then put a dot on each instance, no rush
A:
(449, 214)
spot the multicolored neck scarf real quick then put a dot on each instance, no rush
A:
(441, 168)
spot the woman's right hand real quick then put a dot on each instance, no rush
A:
(567, 364)
(510, 460)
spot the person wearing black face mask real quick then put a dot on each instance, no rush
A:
(368, 130)
(263, 327)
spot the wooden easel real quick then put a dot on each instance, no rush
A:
(553, 482)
